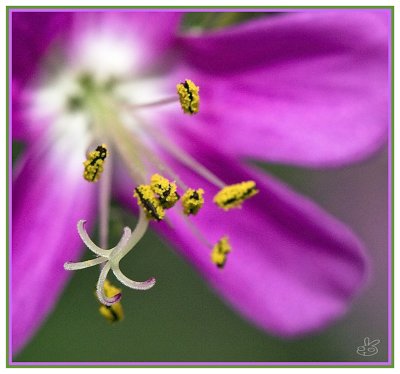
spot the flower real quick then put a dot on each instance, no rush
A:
(306, 89)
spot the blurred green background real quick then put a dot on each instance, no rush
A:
(181, 319)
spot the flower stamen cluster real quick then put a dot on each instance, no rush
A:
(157, 196)
(154, 198)
(161, 194)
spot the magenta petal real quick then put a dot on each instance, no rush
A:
(19, 129)
(33, 33)
(293, 268)
(48, 200)
(304, 88)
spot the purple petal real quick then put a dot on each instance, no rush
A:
(293, 268)
(18, 129)
(33, 34)
(304, 88)
(49, 197)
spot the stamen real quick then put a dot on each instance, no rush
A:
(166, 191)
(112, 313)
(220, 252)
(153, 159)
(122, 139)
(188, 96)
(94, 165)
(192, 201)
(151, 205)
(167, 100)
(233, 196)
(184, 157)
(196, 231)
(156, 162)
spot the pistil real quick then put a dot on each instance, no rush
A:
(111, 258)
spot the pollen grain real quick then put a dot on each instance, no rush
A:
(192, 201)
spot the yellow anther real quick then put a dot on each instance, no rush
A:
(188, 96)
(232, 196)
(166, 191)
(192, 201)
(94, 165)
(113, 313)
(220, 252)
(151, 205)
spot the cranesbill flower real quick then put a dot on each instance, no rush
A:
(306, 89)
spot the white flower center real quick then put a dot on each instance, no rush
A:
(97, 76)
(105, 55)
